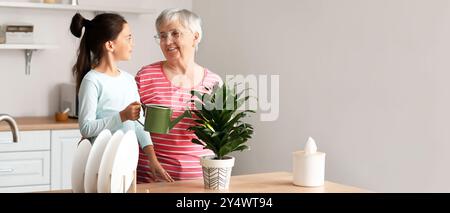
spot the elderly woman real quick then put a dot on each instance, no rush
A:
(168, 83)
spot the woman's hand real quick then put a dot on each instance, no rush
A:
(155, 167)
(131, 112)
(159, 172)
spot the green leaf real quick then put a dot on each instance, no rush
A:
(241, 148)
(218, 125)
(196, 141)
(237, 118)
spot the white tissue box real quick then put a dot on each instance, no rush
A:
(19, 34)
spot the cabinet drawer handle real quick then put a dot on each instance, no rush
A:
(7, 170)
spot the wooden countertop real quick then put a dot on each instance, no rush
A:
(40, 123)
(275, 182)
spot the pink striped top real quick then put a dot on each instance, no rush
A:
(175, 151)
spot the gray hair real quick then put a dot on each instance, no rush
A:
(187, 18)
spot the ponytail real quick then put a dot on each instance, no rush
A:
(83, 64)
(104, 27)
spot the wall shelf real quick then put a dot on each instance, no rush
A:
(29, 49)
(27, 46)
(92, 8)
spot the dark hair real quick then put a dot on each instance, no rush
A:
(104, 27)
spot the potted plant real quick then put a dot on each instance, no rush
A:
(219, 127)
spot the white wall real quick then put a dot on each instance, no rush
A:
(37, 94)
(368, 79)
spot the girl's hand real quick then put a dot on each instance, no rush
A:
(131, 112)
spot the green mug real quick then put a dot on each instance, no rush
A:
(158, 118)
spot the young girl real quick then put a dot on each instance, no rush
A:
(108, 97)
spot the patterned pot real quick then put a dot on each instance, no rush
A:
(217, 173)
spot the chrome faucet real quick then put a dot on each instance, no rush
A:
(12, 124)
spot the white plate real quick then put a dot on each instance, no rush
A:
(104, 171)
(125, 163)
(94, 159)
(79, 165)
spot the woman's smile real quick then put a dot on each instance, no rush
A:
(172, 49)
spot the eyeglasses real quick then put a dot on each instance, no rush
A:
(164, 36)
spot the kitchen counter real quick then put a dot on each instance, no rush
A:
(40, 123)
(275, 182)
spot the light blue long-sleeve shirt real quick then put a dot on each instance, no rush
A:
(101, 98)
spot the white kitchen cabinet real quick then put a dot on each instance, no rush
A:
(24, 189)
(40, 161)
(25, 165)
(28, 141)
(24, 168)
(63, 147)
